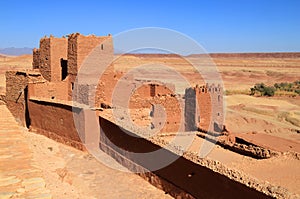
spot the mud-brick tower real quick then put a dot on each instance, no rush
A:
(92, 51)
(51, 58)
(83, 48)
(204, 108)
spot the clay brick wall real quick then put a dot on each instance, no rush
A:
(56, 121)
(72, 54)
(35, 58)
(58, 51)
(80, 47)
(16, 83)
(143, 98)
(152, 90)
(49, 90)
(45, 58)
(107, 85)
(16, 89)
(190, 110)
(51, 51)
(181, 178)
(210, 104)
(84, 94)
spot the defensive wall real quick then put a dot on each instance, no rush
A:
(46, 99)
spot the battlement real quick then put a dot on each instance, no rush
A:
(212, 88)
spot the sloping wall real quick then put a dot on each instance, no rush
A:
(182, 178)
(56, 121)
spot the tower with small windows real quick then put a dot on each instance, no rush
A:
(204, 108)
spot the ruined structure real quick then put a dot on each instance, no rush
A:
(57, 62)
(47, 99)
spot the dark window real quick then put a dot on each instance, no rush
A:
(102, 46)
(64, 68)
(152, 90)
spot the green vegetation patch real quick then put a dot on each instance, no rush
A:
(279, 89)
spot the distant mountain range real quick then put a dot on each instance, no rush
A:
(15, 51)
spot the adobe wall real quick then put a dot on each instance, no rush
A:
(16, 83)
(106, 85)
(35, 58)
(149, 95)
(191, 114)
(59, 50)
(210, 103)
(45, 58)
(56, 121)
(182, 178)
(80, 46)
(49, 90)
(83, 94)
(16, 88)
(203, 105)
(51, 51)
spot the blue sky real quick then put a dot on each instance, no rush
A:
(219, 26)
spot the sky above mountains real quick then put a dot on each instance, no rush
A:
(219, 26)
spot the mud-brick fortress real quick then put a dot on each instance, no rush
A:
(42, 98)
(49, 100)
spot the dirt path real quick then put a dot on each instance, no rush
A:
(33, 166)
(20, 177)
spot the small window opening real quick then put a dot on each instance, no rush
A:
(64, 68)
(152, 90)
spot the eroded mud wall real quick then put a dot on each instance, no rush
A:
(189, 177)
(56, 121)
(16, 83)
